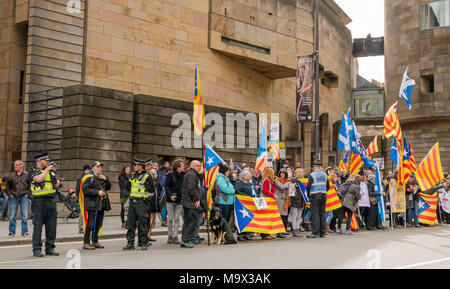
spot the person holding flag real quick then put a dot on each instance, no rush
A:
(224, 198)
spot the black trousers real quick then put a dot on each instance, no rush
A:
(190, 220)
(342, 216)
(44, 213)
(93, 222)
(138, 216)
(318, 220)
(372, 220)
(365, 215)
(122, 214)
(336, 214)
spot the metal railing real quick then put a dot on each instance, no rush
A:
(45, 124)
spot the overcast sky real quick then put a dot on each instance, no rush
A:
(367, 17)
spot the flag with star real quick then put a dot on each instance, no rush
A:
(211, 161)
(261, 159)
(198, 116)
(303, 183)
(250, 219)
(427, 209)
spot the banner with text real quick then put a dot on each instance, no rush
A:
(304, 95)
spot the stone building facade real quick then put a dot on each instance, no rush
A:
(142, 53)
(417, 37)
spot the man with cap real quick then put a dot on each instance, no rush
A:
(141, 189)
(94, 186)
(317, 188)
(43, 186)
(86, 170)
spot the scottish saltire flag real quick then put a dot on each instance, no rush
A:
(344, 164)
(368, 162)
(250, 219)
(343, 141)
(198, 117)
(211, 161)
(429, 172)
(379, 190)
(356, 143)
(303, 183)
(394, 154)
(261, 159)
(427, 208)
(406, 88)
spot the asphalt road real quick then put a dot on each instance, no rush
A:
(400, 248)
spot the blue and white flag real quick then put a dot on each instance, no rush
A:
(394, 152)
(406, 88)
(379, 190)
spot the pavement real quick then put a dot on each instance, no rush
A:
(68, 231)
(410, 248)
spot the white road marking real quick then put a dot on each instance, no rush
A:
(424, 263)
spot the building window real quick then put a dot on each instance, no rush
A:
(245, 45)
(21, 88)
(428, 83)
(435, 14)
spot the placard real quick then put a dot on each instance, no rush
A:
(397, 198)
(364, 192)
(260, 203)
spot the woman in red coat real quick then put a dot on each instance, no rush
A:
(268, 190)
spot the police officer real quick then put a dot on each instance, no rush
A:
(141, 189)
(317, 188)
(43, 185)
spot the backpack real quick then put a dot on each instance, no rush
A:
(343, 189)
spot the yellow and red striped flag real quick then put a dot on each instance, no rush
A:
(373, 147)
(83, 211)
(412, 160)
(249, 219)
(392, 124)
(344, 164)
(198, 117)
(354, 223)
(429, 172)
(427, 209)
(261, 159)
(211, 161)
(355, 164)
(333, 201)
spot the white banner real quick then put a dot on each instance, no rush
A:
(445, 202)
(260, 203)
(364, 201)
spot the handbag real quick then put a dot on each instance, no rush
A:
(106, 206)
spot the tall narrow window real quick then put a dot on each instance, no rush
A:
(21, 86)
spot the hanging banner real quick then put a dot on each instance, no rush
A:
(397, 198)
(304, 95)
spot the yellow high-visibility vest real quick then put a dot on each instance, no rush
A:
(47, 189)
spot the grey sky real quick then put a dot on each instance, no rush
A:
(368, 17)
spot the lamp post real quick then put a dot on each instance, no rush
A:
(317, 155)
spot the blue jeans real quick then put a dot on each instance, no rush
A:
(328, 216)
(307, 214)
(164, 213)
(195, 239)
(413, 213)
(14, 205)
(4, 206)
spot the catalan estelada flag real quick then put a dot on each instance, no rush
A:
(373, 147)
(427, 209)
(429, 172)
(392, 124)
(250, 219)
(354, 223)
(303, 183)
(211, 161)
(344, 164)
(198, 117)
(404, 170)
(355, 164)
(412, 160)
(261, 159)
(333, 201)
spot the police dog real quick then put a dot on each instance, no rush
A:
(220, 228)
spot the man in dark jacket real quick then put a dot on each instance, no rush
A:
(256, 180)
(174, 181)
(94, 189)
(86, 170)
(190, 200)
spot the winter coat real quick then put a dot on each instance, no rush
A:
(91, 187)
(243, 188)
(224, 190)
(297, 201)
(123, 185)
(173, 185)
(191, 191)
(372, 195)
(281, 193)
(352, 196)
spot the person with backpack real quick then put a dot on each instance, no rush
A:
(349, 193)
(172, 186)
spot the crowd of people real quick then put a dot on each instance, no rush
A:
(175, 193)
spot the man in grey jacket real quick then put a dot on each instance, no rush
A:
(190, 200)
